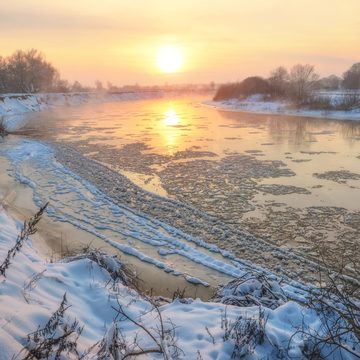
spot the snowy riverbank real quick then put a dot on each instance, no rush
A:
(13, 107)
(32, 290)
(256, 104)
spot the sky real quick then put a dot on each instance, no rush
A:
(221, 40)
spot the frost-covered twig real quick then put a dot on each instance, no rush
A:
(251, 289)
(56, 338)
(337, 303)
(116, 346)
(116, 269)
(245, 333)
(31, 285)
(29, 228)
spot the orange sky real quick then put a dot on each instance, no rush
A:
(222, 40)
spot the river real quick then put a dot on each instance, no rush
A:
(259, 186)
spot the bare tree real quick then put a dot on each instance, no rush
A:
(279, 80)
(28, 71)
(99, 86)
(3, 74)
(331, 82)
(352, 77)
(302, 80)
(61, 85)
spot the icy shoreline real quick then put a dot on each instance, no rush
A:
(255, 105)
(32, 289)
(139, 223)
(13, 107)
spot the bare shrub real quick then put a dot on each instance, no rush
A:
(110, 347)
(117, 346)
(116, 269)
(302, 81)
(279, 81)
(337, 303)
(318, 103)
(250, 86)
(246, 333)
(58, 337)
(345, 102)
(29, 228)
(352, 77)
(3, 131)
(348, 102)
(251, 289)
(179, 294)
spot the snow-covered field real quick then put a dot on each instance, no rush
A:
(257, 104)
(32, 290)
(13, 107)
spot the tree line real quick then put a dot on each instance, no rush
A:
(297, 84)
(28, 71)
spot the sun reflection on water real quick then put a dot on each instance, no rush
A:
(170, 130)
(171, 118)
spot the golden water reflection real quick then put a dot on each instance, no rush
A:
(171, 118)
(169, 129)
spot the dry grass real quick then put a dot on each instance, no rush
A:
(3, 131)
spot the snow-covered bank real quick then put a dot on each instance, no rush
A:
(13, 106)
(32, 290)
(256, 104)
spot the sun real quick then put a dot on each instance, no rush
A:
(169, 59)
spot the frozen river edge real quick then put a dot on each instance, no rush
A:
(32, 289)
(35, 287)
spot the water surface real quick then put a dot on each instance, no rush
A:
(293, 181)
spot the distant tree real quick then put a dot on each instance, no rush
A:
(302, 81)
(352, 77)
(17, 69)
(227, 91)
(3, 74)
(111, 87)
(332, 82)
(99, 86)
(255, 85)
(77, 87)
(61, 86)
(28, 71)
(250, 86)
(279, 80)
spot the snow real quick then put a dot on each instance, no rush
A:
(257, 104)
(33, 289)
(13, 107)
